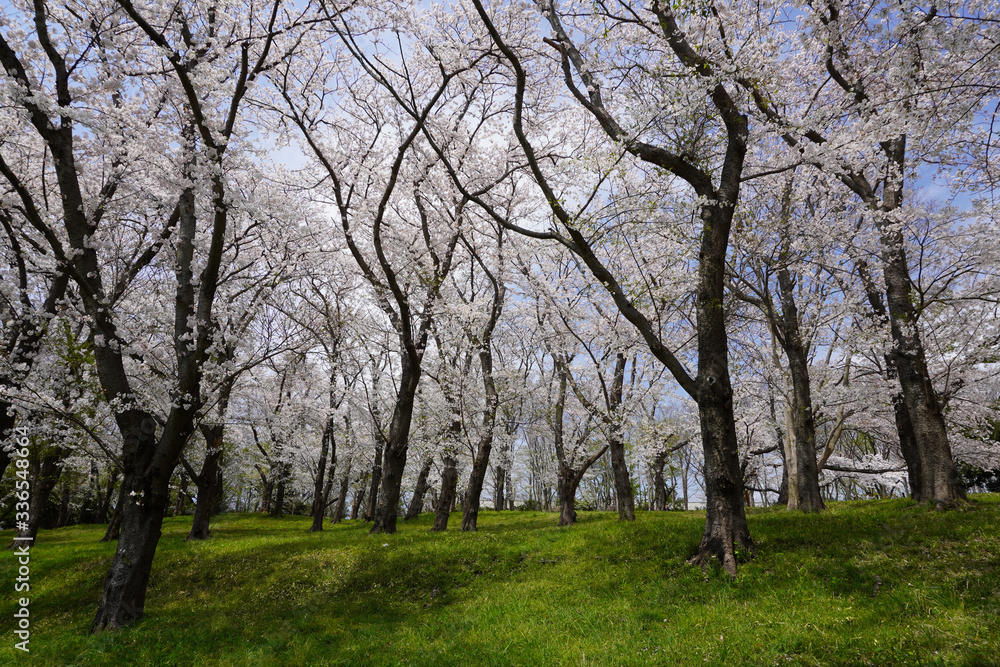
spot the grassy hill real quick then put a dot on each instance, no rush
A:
(866, 583)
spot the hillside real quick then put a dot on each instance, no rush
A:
(879, 583)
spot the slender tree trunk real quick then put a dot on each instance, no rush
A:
(181, 493)
(338, 513)
(102, 512)
(449, 482)
(376, 479)
(359, 499)
(624, 497)
(417, 501)
(321, 490)
(114, 528)
(499, 481)
(45, 476)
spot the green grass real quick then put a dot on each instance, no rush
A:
(865, 583)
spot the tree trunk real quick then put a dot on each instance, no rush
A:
(45, 475)
(278, 507)
(207, 482)
(321, 490)
(725, 515)
(499, 482)
(938, 477)
(659, 483)
(338, 512)
(376, 479)
(470, 506)
(359, 498)
(417, 501)
(181, 494)
(449, 482)
(102, 512)
(624, 497)
(566, 489)
(142, 508)
(908, 447)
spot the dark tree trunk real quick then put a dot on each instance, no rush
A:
(417, 501)
(624, 497)
(338, 512)
(659, 483)
(725, 515)
(321, 490)
(939, 482)
(45, 476)
(266, 491)
(566, 491)
(470, 507)
(499, 490)
(359, 497)
(102, 512)
(278, 507)
(376, 480)
(449, 482)
(803, 474)
(114, 528)
(181, 494)
(208, 482)
(908, 447)
(142, 508)
(397, 444)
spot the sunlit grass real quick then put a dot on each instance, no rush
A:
(876, 583)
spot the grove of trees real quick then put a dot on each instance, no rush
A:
(362, 260)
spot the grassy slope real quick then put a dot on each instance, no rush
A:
(881, 583)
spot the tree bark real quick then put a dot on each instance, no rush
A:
(321, 490)
(45, 475)
(449, 482)
(417, 501)
(208, 482)
(376, 479)
(338, 512)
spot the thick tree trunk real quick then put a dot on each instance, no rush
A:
(417, 501)
(659, 483)
(64, 511)
(449, 482)
(566, 490)
(803, 474)
(278, 506)
(938, 477)
(725, 515)
(147, 482)
(470, 506)
(908, 447)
